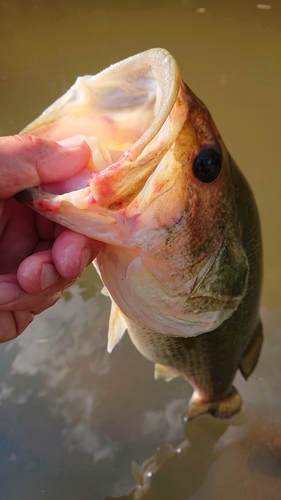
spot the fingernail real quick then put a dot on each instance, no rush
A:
(72, 142)
(8, 292)
(86, 258)
(49, 276)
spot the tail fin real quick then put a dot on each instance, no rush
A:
(224, 408)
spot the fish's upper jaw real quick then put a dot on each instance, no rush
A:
(119, 184)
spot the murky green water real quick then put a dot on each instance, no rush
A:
(73, 418)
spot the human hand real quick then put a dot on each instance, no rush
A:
(38, 258)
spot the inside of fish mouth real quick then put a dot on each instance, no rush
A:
(110, 124)
(81, 178)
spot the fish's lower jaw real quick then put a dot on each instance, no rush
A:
(223, 408)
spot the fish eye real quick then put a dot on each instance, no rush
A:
(207, 165)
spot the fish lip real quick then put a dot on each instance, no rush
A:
(39, 200)
(26, 196)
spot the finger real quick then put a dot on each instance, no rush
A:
(27, 161)
(13, 324)
(14, 298)
(18, 235)
(45, 227)
(8, 328)
(73, 252)
(37, 273)
(22, 319)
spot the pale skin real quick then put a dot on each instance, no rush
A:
(38, 258)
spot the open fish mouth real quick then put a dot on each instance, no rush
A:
(129, 116)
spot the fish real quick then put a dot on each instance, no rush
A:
(181, 258)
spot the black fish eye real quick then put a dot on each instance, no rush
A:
(207, 165)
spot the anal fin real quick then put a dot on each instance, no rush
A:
(252, 353)
(164, 373)
(224, 408)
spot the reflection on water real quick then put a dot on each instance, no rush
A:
(218, 460)
(73, 418)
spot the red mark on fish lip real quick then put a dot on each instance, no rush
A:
(90, 179)
(91, 200)
(45, 205)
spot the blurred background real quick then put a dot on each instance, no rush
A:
(73, 418)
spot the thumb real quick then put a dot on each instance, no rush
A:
(27, 161)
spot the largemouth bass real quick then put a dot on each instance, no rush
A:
(181, 258)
